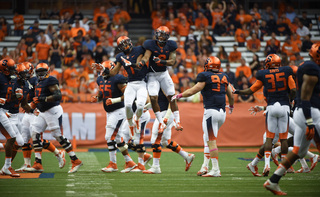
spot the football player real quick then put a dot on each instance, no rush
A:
(277, 82)
(161, 53)
(214, 87)
(28, 89)
(111, 94)
(7, 94)
(306, 116)
(164, 138)
(47, 101)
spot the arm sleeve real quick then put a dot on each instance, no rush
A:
(291, 83)
(256, 86)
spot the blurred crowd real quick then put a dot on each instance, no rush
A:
(78, 40)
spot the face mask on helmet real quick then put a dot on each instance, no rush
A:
(41, 73)
(106, 73)
(162, 36)
(23, 75)
(125, 45)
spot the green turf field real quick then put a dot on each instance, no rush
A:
(89, 181)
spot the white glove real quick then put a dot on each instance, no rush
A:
(19, 93)
(231, 107)
(256, 109)
(2, 101)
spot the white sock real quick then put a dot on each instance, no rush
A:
(37, 155)
(129, 115)
(140, 160)
(27, 161)
(277, 150)
(267, 155)
(71, 153)
(156, 162)
(183, 153)
(159, 117)
(112, 155)
(280, 170)
(290, 149)
(206, 160)
(310, 154)
(215, 164)
(127, 158)
(56, 152)
(1, 145)
(7, 162)
(283, 156)
(304, 163)
(176, 116)
(255, 161)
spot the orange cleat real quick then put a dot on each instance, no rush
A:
(253, 169)
(112, 167)
(76, 164)
(274, 188)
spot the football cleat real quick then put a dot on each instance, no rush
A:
(61, 158)
(274, 188)
(37, 167)
(153, 170)
(9, 171)
(303, 170)
(162, 127)
(112, 167)
(213, 173)
(275, 159)
(266, 171)
(146, 158)
(203, 170)
(314, 161)
(178, 126)
(139, 168)
(253, 169)
(290, 170)
(130, 165)
(76, 164)
(189, 161)
(23, 167)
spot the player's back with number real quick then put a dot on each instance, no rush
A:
(215, 89)
(277, 82)
(109, 89)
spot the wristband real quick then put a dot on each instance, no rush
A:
(164, 62)
(115, 100)
(309, 121)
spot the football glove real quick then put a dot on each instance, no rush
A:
(94, 99)
(19, 93)
(36, 112)
(310, 129)
(141, 64)
(126, 62)
(32, 105)
(8, 114)
(156, 60)
(255, 109)
(234, 91)
(2, 101)
(176, 97)
(97, 66)
(231, 107)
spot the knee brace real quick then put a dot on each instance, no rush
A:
(37, 143)
(173, 146)
(112, 146)
(132, 146)
(141, 148)
(26, 147)
(122, 146)
(45, 144)
(64, 142)
(156, 148)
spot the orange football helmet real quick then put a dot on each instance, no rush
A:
(21, 71)
(272, 61)
(42, 71)
(7, 66)
(315, 52)
(29, 66)
(108, 65)
(162, 34)
(211, 63)
(124, 44)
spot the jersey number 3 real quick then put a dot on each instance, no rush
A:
(274, 81)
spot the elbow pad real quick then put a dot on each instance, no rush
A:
(57, 95)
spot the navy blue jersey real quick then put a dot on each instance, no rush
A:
(214, 92)
(6, 89)
(309, 68)
(133, 74)
(276, 84)
(33, 82)
(42, 90)
(160, 52)
(162, 101)
(109, 89)
(14, 105)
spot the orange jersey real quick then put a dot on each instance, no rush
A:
(74, 31)
(87, 65)
(183, 30)
(234, 56)
(171, 25)
(122, 16)
(190, 61)
(290, 49)
(43, 51)
(55, 74)
(216, 16)
(277, 43)
(104, 15)
(241, 35)
(18, 22)
(201, 23)
(253, 44)
(246, 71)
(66, 93)
(71, 77)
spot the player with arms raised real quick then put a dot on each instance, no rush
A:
(213, 86)
(47, 99)
(306, 116)
(161, 53)
(278, 82)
